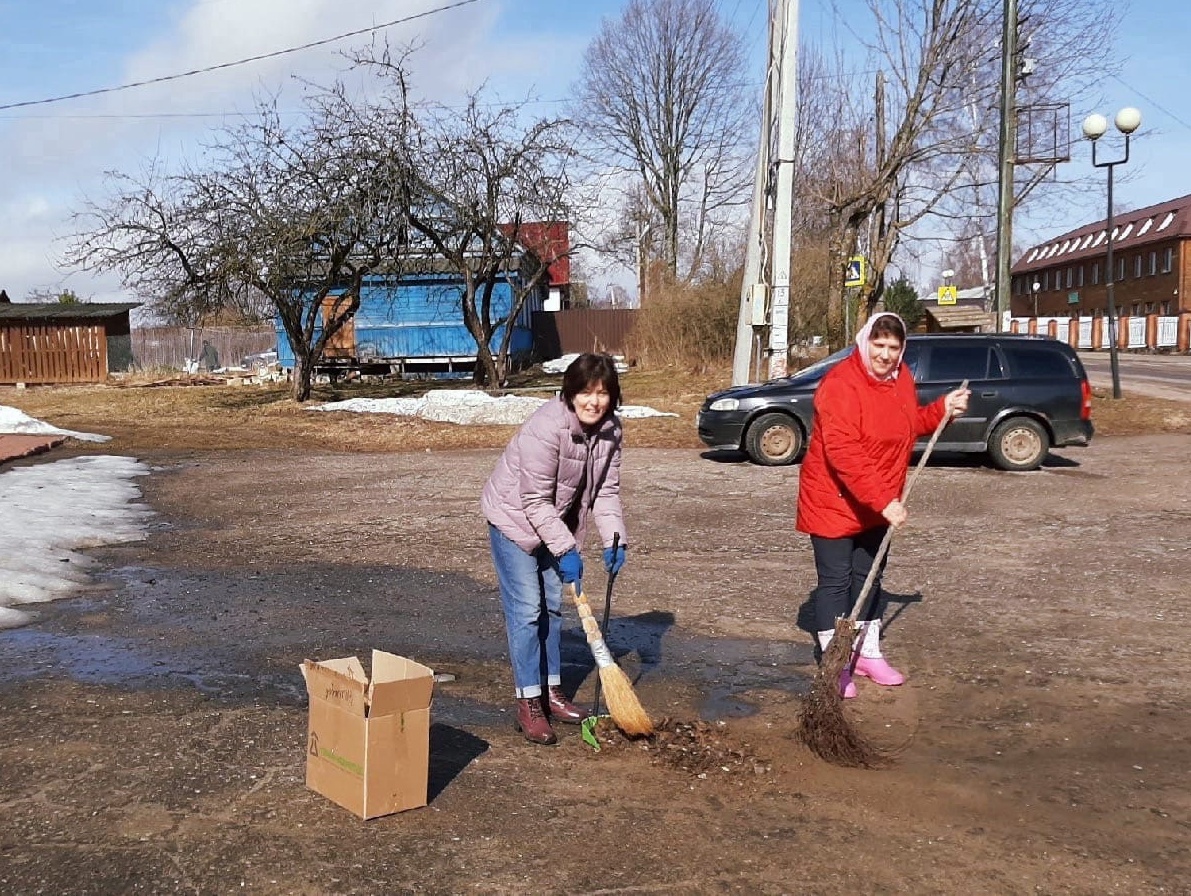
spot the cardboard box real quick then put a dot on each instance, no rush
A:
(368, 742)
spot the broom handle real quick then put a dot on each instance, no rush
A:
(604, 622)
(862, 600)
(595, 641)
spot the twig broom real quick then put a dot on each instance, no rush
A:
(823, 727)
(623, 705)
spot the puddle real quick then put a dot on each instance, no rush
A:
(98, 659)
(224, 632)
(727, 670)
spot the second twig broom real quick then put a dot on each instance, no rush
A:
(623, 705)
(823, 727)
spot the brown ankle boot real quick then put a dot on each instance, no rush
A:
(561, 708)
(532, 721)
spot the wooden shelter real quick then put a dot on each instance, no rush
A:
(959, 319)
(64, 342)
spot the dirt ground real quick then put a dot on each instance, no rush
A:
(152, 731)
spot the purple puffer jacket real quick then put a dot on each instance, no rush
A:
(536, 478)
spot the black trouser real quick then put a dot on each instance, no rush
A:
(842, 564)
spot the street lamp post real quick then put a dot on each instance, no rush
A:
(1035, 288)
(1127, 121)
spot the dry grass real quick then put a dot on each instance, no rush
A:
(140, 416)
(200, 417)
(1137, 415)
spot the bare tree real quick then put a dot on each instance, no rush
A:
(663, 92)
(298, 216)
(364, 186)
(481, 189)
(482, 184)
(903, 145)
(1054, 74)
(892, 150)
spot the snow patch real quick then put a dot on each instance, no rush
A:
(466, 407)
(560, 365)
(19, 423)
(53, 510)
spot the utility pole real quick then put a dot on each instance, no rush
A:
(784, 200)
(1006, 152)
(781, 83)
(752, 292)
(642, 233)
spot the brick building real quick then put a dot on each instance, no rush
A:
(1151, 254)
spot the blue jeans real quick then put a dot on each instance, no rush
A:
(842, 564)
(531, 595)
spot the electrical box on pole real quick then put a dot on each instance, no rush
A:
(758, 302)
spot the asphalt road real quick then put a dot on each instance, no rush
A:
(1160, 376)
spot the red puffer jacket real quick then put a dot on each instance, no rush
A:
(860, 448)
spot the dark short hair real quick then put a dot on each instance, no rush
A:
(588, 370)
(888, 325)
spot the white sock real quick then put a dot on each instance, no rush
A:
(870, 639)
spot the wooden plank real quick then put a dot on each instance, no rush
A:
(49, 353)
(99, 366)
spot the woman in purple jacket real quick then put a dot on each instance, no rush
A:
(562, 466)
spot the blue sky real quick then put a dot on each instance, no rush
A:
(56, 154)
(1155, 78)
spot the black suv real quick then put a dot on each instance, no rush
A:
(1029, 394)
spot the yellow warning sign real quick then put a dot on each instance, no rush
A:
(947, 295)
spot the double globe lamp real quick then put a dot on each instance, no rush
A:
(1095, 125)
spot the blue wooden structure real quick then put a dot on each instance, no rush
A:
(413, 324)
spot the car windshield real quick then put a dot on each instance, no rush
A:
(821, 367)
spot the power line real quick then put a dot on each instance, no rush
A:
(238, 62)
(1152, 102)
(136, 116)
(133, 116)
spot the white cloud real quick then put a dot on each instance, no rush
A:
(56, 155)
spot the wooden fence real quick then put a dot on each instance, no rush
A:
(53, 353)
(171, 347)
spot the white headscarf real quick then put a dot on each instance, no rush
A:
(862, 345)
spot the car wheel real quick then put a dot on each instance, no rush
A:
(1019, 444)
(774, 440)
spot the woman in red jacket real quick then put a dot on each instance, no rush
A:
(867, 418)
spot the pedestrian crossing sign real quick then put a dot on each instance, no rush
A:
(947, 295)
(856, 271)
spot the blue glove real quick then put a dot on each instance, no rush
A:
(570, 566)
(614, 558)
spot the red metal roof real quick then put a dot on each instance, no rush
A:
(1152, 224)
(550, 241)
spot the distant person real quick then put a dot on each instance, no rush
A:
(866, 421)
(208, 357)
(561, 467)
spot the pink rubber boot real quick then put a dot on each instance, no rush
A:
(878, 670)
(871, 664)
(847, 687)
